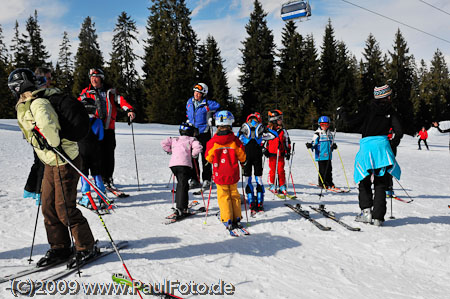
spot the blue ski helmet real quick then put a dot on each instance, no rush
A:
(323, 119)
(224, 118)
(186, 129)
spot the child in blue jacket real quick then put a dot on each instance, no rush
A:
(323, 145)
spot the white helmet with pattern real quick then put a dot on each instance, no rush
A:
(201, 88)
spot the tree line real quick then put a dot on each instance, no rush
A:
(299, 78)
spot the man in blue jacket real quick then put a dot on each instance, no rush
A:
(199, 112)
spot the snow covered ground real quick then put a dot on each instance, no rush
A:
(285, 257)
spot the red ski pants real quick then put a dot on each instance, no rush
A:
(281, 173)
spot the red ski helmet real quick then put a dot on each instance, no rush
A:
(255, 115)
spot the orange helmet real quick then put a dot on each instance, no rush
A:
(275, 115)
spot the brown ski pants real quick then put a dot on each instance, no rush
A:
(54, 203)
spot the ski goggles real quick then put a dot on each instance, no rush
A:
(198, 88)
(96, 73)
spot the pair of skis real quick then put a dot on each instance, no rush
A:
(174, 217)
(238, 231)
(117, 192)
(305, 214)
(29, 288)
(334, 189)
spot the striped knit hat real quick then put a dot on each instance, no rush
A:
(382, 92)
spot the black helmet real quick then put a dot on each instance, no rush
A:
(21, 80)
(96, 72)
(186, 129)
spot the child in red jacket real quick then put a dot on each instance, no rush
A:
(224, 151)
(423, 135)
(277, 150)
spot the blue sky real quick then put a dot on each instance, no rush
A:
(226, 19)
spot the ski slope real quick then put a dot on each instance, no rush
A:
(284, 257)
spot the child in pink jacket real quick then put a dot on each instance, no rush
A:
(183, 149)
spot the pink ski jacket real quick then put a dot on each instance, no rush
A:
(182, 148)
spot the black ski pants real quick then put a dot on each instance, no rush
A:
(253, 151)
(326, 171)
(368, 200)
(91, 155)
(108, 146)
(424, 141)
(183, 173)
(206, 174)
(34, 181)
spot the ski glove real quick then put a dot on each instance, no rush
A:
(265, 152)
(308, 145)
(334, 146)
(288, 156)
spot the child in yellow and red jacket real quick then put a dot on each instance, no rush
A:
(224, 151)
(277, 149)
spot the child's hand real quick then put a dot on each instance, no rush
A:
(334, 146)
(308, 145)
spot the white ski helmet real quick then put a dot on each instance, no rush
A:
(224, 118)
(201, 88)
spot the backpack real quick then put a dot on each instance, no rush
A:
(72, 115)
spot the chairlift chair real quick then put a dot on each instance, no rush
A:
(295, 10)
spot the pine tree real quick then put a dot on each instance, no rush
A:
(64, 67)
(258, 67)
(400, 70)
(311, 82)
(121, 71)
(289, 80)
(19, 49)
(372, 68)
(88, 56)
(7, 103)
(212, 73)
(421, 99)
(38, 54)
(437, 87)
(169, 61)
(328, 70)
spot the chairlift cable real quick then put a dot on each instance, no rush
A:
(409, 26)
(435, 7)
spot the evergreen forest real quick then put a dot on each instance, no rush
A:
(304, 77)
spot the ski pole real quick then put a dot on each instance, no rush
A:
(198, 179)
(97, 190)
(34, 233)
(130, 122)
(343, 168)
(243, 193)
(276, 173)
(293, 186)
(207, 207)
(173, 193)
(392, 217)
(170, 178)
(411, 200)
(67, 215)
(112, 241)
(290, 167)
(317, 169)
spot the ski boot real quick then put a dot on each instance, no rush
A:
(365, 216)
(283, 190)
(84, 201)
(273, 189)
(54, 256)
(259, 193)
(82, 257)
(378, 222)
(194, 184)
